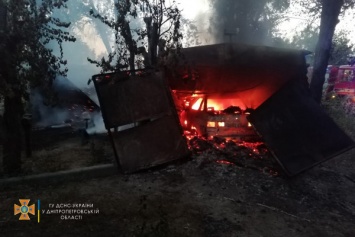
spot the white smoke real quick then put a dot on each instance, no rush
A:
(46, 115)
(97, 124)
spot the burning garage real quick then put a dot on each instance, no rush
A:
(219, 81)
(226, 90)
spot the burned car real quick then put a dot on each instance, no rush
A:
(209, 116)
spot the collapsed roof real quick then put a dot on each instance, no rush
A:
(250, 73)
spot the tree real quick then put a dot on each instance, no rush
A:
(246, 21)
(27, 61)
(329, 10)
(306, 39)
(341, 49)
(143, 31)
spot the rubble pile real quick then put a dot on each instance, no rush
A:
(243, 154)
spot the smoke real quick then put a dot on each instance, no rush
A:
(97, 125)
(245, 21)
(202, 21)
(64, 103)
(45, 116)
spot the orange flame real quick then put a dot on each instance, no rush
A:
(218, 104)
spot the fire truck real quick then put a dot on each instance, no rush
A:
(344, 83)
(341, 83)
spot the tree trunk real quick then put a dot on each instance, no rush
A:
(154, 44)
(153, 40)
(148, 25)
(329, 19)
(126, 33)
(12, 134)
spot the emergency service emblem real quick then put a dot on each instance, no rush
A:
(24, 209)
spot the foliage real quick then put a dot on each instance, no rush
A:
(27, 61)
(342, 48)
(307, 39)
(27, 57)
(140, 28)
(314, 7)
(328, 12)
(249, 21)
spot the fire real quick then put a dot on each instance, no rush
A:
(217, 104)
(197, 104)
(211, 124)
(253, 146)
(213, 105)
(221, 124)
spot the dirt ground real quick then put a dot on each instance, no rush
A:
(195, 198)
(209, 194)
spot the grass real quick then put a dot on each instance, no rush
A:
(336, 111)
(66, 155)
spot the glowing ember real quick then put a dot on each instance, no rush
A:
(254, 146)
(224, 162)
(218, 150)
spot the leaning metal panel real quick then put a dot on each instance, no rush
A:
(297, 130)
(129, 99)
(146, 102)
(151, 144)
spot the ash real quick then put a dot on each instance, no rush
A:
(250, 153)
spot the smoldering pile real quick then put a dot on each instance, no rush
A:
(234, 152)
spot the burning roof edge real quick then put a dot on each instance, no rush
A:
(250, 72)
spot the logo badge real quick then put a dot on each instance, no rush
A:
(24, 209)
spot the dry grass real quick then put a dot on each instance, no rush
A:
(67, 155)
(345, 121)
